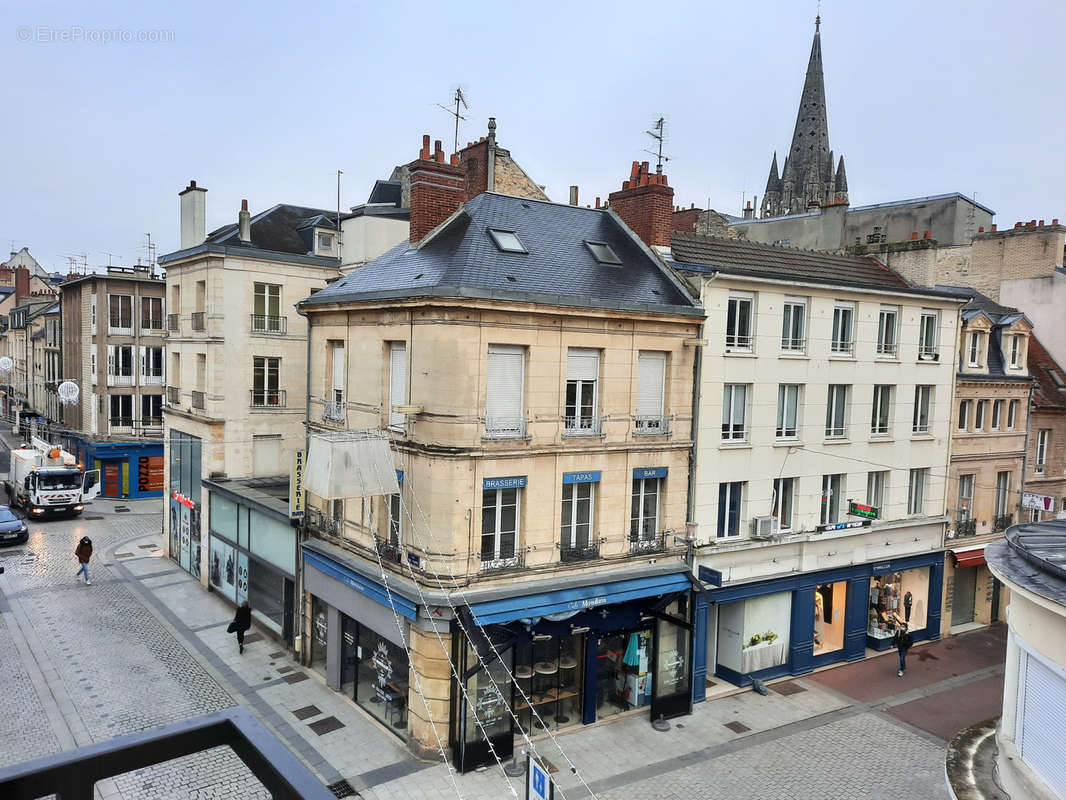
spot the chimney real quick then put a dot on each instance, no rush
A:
(994, 226)
(914, 236)
(645, 204)
(244, 223)
(573, 196)
(749, 212)
(927, 234)
(22, 284)
(193, 215)
(437, 189)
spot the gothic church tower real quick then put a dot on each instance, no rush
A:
(807, 178)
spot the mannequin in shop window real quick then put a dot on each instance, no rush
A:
(819, 619)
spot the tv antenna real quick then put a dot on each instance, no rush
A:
(456, 113)
(150, 247)
(109, 257)
(658, 133)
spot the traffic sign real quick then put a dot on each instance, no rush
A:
(539, 786)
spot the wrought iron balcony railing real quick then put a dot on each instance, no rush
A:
(643, 543)
(491, 562)
(389, 551)
(268, 398)
(333, 412)
(651, 425)
(172, 322)
(505, 428)
(582, 426)
(579, 552)
(264, 323)
(965, 527)
(173, 395)
(1002, 522)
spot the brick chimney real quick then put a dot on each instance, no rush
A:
(22, 283)
(437, 189)
(646, 204)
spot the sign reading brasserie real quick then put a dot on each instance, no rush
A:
(296, 486)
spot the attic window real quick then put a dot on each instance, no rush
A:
(1057, 378)
(507, 241)
(603, 253)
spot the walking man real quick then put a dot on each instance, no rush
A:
(903, 642)
(84, 552)
(242, 621)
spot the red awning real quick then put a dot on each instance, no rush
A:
(970, 557)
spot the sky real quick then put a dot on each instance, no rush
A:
(112, 107)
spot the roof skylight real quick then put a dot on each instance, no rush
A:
(507, 241)
(603, 253)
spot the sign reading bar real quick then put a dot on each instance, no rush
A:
(711, 577)
(649, 472)
(296, 486)
(504, 483)
(859, 510)
(1040, 502)
(843, 526)
(581, 477)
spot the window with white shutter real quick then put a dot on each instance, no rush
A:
(397, 382)
(651, 379)
(582, 377)
(504, 413)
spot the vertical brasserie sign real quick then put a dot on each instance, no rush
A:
(296, 486)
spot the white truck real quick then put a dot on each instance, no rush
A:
(45, 479)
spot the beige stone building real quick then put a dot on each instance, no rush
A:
(1045, 461)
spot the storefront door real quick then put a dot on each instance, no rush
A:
(481, 713)
(112, 480)
(672, 674)
(962, 596)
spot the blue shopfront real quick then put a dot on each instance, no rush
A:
(132, 470)
(795, 624)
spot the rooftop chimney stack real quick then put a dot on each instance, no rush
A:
(645, 203)
(193, 215)
(437, 189)
(244, 223)
(573, 196)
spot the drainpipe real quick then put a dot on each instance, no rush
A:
(303, 535)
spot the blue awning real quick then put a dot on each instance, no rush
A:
(372, 589)
(578, 599)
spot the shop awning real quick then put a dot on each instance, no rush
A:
(973, 556)
(578, 599)
(375, 590)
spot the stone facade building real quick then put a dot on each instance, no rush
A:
(1045, 463)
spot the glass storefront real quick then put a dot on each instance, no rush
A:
(753, 634)
(830, 603)
(374, 673)
(550, 672)
(319, 635)
(185, 495)
(623, 679)
(897, 598)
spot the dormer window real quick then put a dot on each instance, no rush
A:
(1017, 351)
(325, 242)
(507, 241)
(603, 253)
(974, 350)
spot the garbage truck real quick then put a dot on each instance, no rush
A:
(45, 479)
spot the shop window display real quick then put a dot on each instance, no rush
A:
(550, 672)
(488, 690)
(381, 678)
(624, 680)
(830, 601)
(673, 662)
(753, 634)
(897, 598)
(319, 633)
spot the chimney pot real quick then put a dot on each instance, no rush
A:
(424, 152)
(981, 229)
(573, 196)
(597, 202)
(927, 235)
(914, 236)
(1017, 224)
(454, 160)
(244, 205)
(691, 205)
(1041, 223)
(994, 227)
(1032, 223)
(1055, 221)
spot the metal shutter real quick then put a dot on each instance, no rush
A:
(397, 381)
(582, 364)
(338, 366)
(1043, 712)
(503, 395)
(651, 373)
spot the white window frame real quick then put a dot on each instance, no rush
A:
(923, 404)
(916, 491)
(146, 399)
(964, 414)
(832, 490)
(649, 416)
(394, 519)
(742, 338)
(568, 530)
(725, 497)
(125, 420)
(888, 332)
(92, 305)
(794, 325)
(1012, 414)
(267, 297)
(730, 406)
(964, 512)
(397, 383)
(875, 489)
(505, 392)
(586, 394)
(783, 507)
(324, 241)
(836, 427)
(973, 350)
(928, 339)
(161, 319)
(882, 408)
(979, 415)
(1016, 351)
(338, 375)
(643, 490)
(496, 495)
(1002, 494)
(997, 414)
(1042, 438)
(843, 341)
(120, 330)
(788, 406)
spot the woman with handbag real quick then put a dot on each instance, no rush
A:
(242, 621)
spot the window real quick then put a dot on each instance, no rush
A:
(964, 415)
(1041, 450)
(336, 395)
(152, 314)
(1012, 414)
(651, 379)
(1002, 493)
(843, 342)
(997, 414)
(576, 530)
(644, 519)
(730, 496)
(738, 322)
(151, 409)
(266, 377)
(881, 413)
(922, 396)
(965, 509)
(835, 411)
(831, 492)
(582, 401)
(974, 350)
(121, 410)
(875, 490)
(504, 416)
(397, 382)
(120, 364)
(916, 491)
(499, 527)
(325, 242)
(120, 313)
(787, 410)
(793, 335)
(783, 494)
(927, 336)
(266, 308)
(507, 241)
(602, 252)
(886, 331)
(734, 412)
(1016, 351)
(979, 415)
(92, 306)
(152, 366)
(395, 529)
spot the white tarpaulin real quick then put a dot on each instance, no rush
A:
(350, 464)
(1039, 502)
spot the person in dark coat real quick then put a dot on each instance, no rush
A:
(903, 641)
(242, 621)
(84, 552)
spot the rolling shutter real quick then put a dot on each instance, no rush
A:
(338, 366)
(1043, 712)
(582, 364)
(503, 394)
(397, 381)
(651, 373)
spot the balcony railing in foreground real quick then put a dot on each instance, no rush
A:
(73, 774)
(644, 543)
(965, 527)
(1002, 522)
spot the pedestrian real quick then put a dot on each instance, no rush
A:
(903, 641)
(84, 552)
(242, 621)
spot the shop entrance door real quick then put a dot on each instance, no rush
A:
(486, 674)
(112, 479)
(962, 596)
(672, 672)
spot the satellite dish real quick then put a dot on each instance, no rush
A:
(68, 392)
(6, 363)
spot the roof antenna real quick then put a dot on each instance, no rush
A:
(458, 116)
(658, 133)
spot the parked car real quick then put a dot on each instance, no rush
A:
(12, 527)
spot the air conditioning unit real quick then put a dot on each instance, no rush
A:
(763, 527)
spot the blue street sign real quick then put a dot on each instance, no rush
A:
(712, 577)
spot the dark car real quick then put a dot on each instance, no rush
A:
(12, 527)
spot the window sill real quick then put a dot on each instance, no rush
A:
(837, 440)
(882, 437)
(922, 436)
(797, 355)
(788, 443)
(739, 353)
(842, 357)
(502, 438)
(734, 445)
(644, 433)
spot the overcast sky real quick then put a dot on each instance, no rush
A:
(267, 100)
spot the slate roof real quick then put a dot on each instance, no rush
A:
(1001, 317)
(387, 192)
(738, 257)
(461, 260)
(1046, 393)
(275, 229)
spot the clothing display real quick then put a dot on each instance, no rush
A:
(885, 602)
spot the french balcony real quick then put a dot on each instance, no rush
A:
(841, 347)
(582, 426)
(198, 400)
(173, 395)
(152, 380)
(120, 425)
(497, 562)
(333, 412)
(172, 322)
(505, 428)
(198, 321)
(267, 398)
(887, 349)
(965, 527)
(152, 327)
(389, 551)
(928, 353)
(651, 425)
(119, 329)
(1002, 522)
(119, 380)
(570, 552)
(793, 345)
(738, 342)
(643, 543)
(263, 323)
